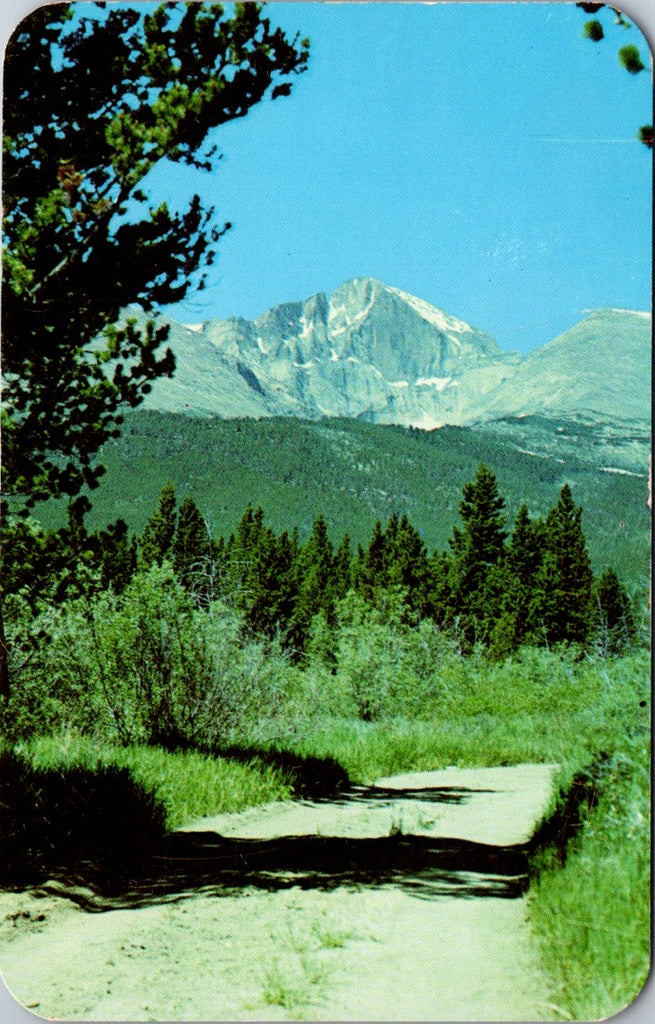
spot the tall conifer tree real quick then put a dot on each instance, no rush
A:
(159, 531)
(476, 548)
(563, 606)
(193, 559)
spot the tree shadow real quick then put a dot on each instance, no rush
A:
(428, 794)
(187, 863)
(318, 778)
(72, 821)
(98, 837)
(91, 824)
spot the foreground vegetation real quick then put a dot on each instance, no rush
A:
(591, 915)
(589, 899)
(142, 697)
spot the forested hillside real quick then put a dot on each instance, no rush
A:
(353, 473)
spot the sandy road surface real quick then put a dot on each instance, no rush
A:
(402, 902)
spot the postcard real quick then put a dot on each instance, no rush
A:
(326, 542)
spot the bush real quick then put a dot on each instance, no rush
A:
(147, 666)
(388, 666)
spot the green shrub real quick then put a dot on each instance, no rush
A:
(148, 666)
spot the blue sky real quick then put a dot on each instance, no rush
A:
(480, 156)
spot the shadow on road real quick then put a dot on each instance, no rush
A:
(188, 862)
(98, 838)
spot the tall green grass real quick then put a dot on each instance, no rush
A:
(538, 706)
(187, 784)
(591, 918)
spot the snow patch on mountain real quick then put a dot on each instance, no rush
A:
(433, 382)
(433, 315)
(376, 352)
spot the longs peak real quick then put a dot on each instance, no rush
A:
(375, 352)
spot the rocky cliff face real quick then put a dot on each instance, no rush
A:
(374, 352)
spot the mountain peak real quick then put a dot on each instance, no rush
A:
(614, 312)
(376, 352)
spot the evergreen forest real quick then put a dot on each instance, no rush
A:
(354, 610)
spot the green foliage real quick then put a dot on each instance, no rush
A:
(91, 105)
(315, 586)
(157, 537)
(477, 548)
(593, 30)
(194, 556)
(148, 666)
(185, 784)
(368, 655)
(395, 559)
(563, 582)
(630, 59)
(615, 625)
(592, 919)
(118, 556)
(536, 706)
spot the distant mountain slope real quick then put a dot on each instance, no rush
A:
(376, 353)
(600, 368)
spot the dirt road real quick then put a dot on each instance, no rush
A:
(403, 901)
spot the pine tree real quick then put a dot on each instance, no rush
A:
(562, 593)
(260, 595)
(389, 573)
(118, 556)
(440, 599)
(241, 553)
(509, 592)
(316, 585)
(159, 532)
(192, 551)
(614, 621)
(287, 550)
(476, 548)
(369, 569)
(408, 565)
(91, 105)
(343, 561)
(524, 549)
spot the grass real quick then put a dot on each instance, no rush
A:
(296, 979)
(590, 916)
(187, 784)
(537, 707)
(294, 985)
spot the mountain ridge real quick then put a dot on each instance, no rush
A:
(374, 352)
